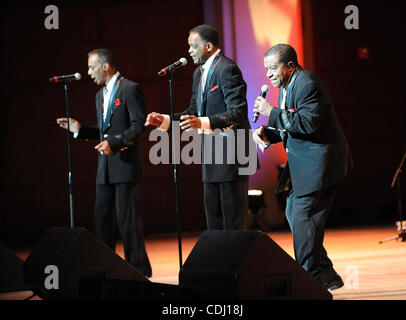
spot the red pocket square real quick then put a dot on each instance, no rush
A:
(292, 110)
(117, 102)
(214, 88)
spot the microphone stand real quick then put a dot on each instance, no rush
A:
(69, 157)
(175, 174)
(396, 180)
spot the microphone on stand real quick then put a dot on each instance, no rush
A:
(181, 62)
(65, 78)
(264, 91)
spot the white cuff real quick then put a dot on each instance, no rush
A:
(165, 123)
(205, 126)
(205, 123)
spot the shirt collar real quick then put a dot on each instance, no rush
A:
(112, 81)
(209, 61)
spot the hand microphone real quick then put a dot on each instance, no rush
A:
(173, 66)
(264, 91)
(66, 78)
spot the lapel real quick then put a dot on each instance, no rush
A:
(288, 101)
(99, 106)
(211, 70)
(280, 98)
(291, 85)
(106, 123)
(207, 84)
(199, 97)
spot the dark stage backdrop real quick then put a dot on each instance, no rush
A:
(364, 72)
(145, 35)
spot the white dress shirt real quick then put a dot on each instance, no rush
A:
(107, 93)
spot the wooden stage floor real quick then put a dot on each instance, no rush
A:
(371, 271)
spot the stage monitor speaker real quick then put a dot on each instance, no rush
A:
(11, 271)
(247, 265)
(64, 256)
(112, 289)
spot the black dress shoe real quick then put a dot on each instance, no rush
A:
(146, 271)
(333, 284)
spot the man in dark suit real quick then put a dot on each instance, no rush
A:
(317, 151)
(121, 114)
(218, 102)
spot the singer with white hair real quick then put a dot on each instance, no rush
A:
(121, 114)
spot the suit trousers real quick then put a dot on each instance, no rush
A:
(307, 216)
(126, 197)
(226, 204)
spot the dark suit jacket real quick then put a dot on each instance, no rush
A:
(317, 150)
(224, 103)
(122, 129)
